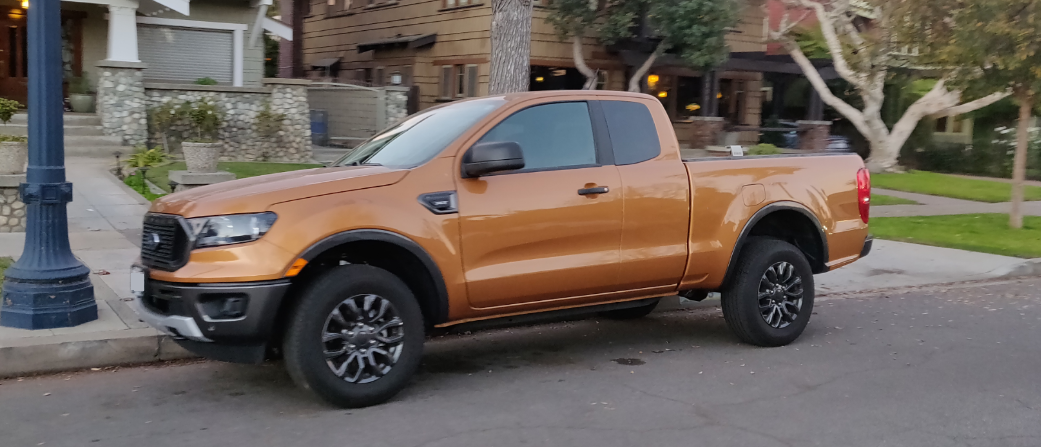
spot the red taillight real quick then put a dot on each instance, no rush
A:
(864, 193)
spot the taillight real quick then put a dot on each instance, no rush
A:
(864, 193)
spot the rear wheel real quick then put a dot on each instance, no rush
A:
(631, 313)
(769, 300)
(356, 336)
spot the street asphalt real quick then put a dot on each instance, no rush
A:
(940, 366)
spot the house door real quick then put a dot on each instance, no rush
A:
(14, 59)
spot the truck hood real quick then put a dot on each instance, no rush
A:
(257, 194)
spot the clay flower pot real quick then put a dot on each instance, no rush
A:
(201, 157)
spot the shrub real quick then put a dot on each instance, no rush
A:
(80, 86)
(206, 81)
(205, 119)
(146, 158)
(8, 107)
(269, 123)
(764, 149)
(14, 138)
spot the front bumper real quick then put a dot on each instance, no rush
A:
(193, 313)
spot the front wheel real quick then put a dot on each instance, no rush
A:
(356, 336)
(769, 300)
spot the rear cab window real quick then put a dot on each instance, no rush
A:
(634, 136)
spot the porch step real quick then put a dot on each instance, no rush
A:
(70, 119)
(70, 130)
(94, 146)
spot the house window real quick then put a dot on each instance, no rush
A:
(454, 3)
(367, 73)
(601, 80)
(458, 81)
(406, 75)
(378, 80)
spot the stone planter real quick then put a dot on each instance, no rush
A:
(13, 157)
(201, 157)
(81, 103)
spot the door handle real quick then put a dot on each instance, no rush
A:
(592, 191)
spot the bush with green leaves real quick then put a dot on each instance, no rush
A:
(205, 119)
(765, 149)
(14, 139)
(268, 123)
(8, 107)
(80, 86)
(146, 158)
(206, 81)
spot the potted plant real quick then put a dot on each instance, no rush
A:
(81, 95)
(202, 150)
(14, 149)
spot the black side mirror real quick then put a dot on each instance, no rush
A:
(486, 158)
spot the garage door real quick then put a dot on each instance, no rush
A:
(183, 54)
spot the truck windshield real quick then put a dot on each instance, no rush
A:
(420, 137)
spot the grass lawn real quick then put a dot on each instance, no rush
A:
(5, 262)
(934, 184)
(135, 183)
(988, 233)
(882, 200)
(241, 169)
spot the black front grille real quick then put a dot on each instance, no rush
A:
(164, 243)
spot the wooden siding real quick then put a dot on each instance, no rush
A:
(463, 37)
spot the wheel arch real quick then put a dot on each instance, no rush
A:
(790, 222)
(390, 251)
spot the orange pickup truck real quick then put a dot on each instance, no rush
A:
(484, 210)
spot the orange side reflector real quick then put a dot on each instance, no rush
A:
(296, 268)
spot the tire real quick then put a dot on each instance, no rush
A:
(631, 313)
(779, 318)
(391, 356)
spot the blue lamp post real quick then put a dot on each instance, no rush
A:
(48, 287)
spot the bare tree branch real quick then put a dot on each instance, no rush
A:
(973, 105)
(851, 113)
(859, 80)
(580, 64)
(634, 82)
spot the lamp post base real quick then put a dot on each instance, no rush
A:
(48, 304)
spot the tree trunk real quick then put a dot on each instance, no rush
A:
(511, 46)
(580, 64)
(634, 82)
(1019, 166)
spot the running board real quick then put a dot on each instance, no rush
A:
(546, 317)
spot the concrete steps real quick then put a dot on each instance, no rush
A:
(84, 136)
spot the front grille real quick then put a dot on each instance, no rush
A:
(164, 243)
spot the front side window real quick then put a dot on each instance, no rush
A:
(551, 136)
(420, 137)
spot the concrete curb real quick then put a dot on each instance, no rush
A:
(1030, 267)
(37, 355)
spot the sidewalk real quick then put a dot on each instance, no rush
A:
(105, 233)
(938, 206)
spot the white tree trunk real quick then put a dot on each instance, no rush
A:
(634, 82)
(580, 64)
(885, 143)
(511, 46)
(1019, 164)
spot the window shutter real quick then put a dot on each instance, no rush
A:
(471, 81)
(446, 81)
(173, 54)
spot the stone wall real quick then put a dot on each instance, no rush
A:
(242, 142)
(12, 210)
(397, 104)
(705, 131)
(121, 101)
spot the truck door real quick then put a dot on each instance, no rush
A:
(655, 192)
(548, 231)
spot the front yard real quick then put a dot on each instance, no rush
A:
(943, 185)
(987, 233)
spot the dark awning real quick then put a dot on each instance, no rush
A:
(399, 41)
(326, 63)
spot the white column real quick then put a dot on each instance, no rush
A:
(236, 58)
(122, 34)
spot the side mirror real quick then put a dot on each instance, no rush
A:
(486, 158)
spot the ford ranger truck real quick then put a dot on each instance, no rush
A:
(494, 208)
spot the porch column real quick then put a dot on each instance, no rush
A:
(122, 34)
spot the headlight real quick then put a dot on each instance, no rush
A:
(233, 229)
